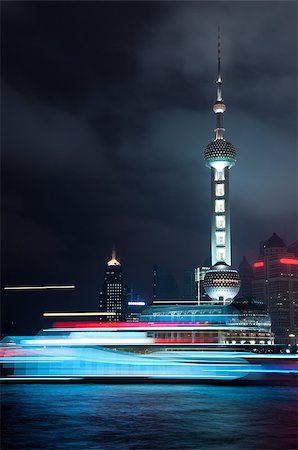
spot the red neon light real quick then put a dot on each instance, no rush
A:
(121, 325)
(259, 264)
(184, 341)
(288, 261)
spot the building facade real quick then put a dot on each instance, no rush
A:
(276, 282)
(113, 296)
(243, 324)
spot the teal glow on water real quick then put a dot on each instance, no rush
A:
(149, 417)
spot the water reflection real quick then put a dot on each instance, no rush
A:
(149, 417)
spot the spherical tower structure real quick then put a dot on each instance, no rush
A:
(221, 282)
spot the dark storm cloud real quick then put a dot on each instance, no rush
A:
(48, 138)
(107, 113)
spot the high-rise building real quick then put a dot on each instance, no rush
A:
(200, 276)
(276, 282)
(164, 284)
(293, 248)
(221, 282)
(246, 276)
(193, 287)
(190, 284)
(135, 305)
(113, 296)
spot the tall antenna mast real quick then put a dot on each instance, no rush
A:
(219, 107)
(219, 79)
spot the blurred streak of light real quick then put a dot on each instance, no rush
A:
(86, 341)
(70, 314)
(175, 302)
(33, 288)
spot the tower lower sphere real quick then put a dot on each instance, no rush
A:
(222, 283)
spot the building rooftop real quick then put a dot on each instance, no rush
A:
(274, 241)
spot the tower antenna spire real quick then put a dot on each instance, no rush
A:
(113, 252)
(219, 79)
(219, 107)
(113, 261)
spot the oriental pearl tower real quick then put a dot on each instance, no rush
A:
(221, 282)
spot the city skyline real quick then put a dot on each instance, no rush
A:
(105, 127)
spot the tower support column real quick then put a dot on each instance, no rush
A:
(220, 216)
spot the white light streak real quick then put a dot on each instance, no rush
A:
(39, 378)
(173, 302)
(136, 303)
(33, 288)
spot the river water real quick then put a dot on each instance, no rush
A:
(152, 417)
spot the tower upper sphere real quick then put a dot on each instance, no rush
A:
(219, 154)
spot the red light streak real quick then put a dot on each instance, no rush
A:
(288, 261)
(121, 325)
(259, 264)
(184, 341)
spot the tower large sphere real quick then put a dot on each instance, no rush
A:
(220, 153)
(222, 283)
(219, 107)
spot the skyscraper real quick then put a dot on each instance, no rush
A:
(221, 282)
(276, 282)
(190, 284)
(246, 276)
(113, 296)
(164, 284)
(200, 275)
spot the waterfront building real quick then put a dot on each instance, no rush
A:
(246, 276)
(276, 282)
(113, 296)
(243, 323)
(221, 282)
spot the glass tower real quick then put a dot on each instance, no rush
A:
(113, 296)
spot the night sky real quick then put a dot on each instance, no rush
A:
(106, 111)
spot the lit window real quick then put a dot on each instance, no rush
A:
(220, 254)
(219, 205)
(220, 221)
(219, 189)
(219, 175)
(220, 238)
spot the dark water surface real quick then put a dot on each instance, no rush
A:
(149, 417)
